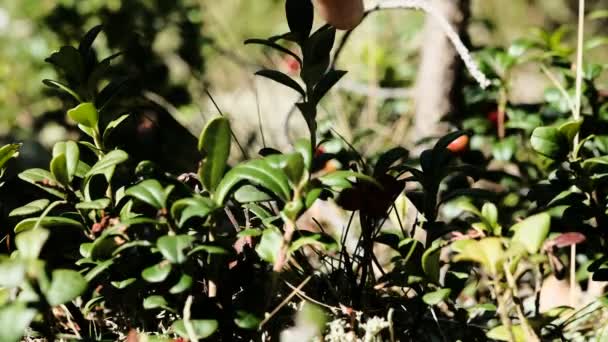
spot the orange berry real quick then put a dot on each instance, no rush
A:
(341, 14)
(459, 144)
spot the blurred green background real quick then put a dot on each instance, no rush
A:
(189, 46)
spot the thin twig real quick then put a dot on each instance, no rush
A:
(285, 301)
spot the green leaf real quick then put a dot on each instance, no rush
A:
(29, 243)
(61, 86)
(209, 249)
(155, 302)
(570, 129)
(97, 270)
(107, 164)
(30, 208)
(112, 126)
(14, 320)
(47, 222)
(149, 191)
(251, 194)
(59, 169)
(340, 179)
(184, 283)
(69, 61)
(436, 297)
(44, 180)
(430, 262)
(327, 82)
(257, 172)
(489, 252)
(590, 163)
(85, 114)
(7, 152)
(66, 285)
(246, 320)
(294, 168)
(300, 15)
(13, 273)
(550, 142)
(214, 143)
(270, 245)
(123, 283)
(157, 273)
(203, 328)
(172, 247)
(275, 46)
(532, 231)
(97, 204)
(500, 333)
(283, 79)
(317, 239)
(186, 208)
(72, 157)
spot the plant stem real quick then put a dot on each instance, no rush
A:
(579, 63)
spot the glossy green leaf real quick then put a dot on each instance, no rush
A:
(66, 285)
(430, 262)
(157, 273)
(154, 302)
(149, 191)
(98, 269)
(85, 114)
(58, 85)
(532, 231)
(275, 46)
(317, 239)
(339, 179)
(30, 243)
(59, 170)
(184, 283)
(44, 180)
(172, 247)
(107, 164)
(246, 320)
(72, 156)
(113, 125)
(488, 252)
(97, 204)
(283, 79)
(209, 249)
(7, 152)
(570, 129)
(48, 222)
(123, 283)
(214, 144)
(14, 320)
(550, 142)
(436, 297)
(202, 328)
(270, 244)
(251, 194)
(186, 208)
(294, 168)
(30, 208)
(257, 172)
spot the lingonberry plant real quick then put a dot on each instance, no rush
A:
(440, 246)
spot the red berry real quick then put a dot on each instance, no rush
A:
(493, 116)
(459, 144)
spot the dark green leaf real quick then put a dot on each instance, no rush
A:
(214, 144)
(8, 152)
(184, 283)
(550, 142)
(97, 204)
(112, 126)
(149, 191)
(275, 46)
(300, 15)
(280, 77)
(186, 208)
(61, 86)
(326, 83)
(172, 247)
(154, 302)
(270, 244)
